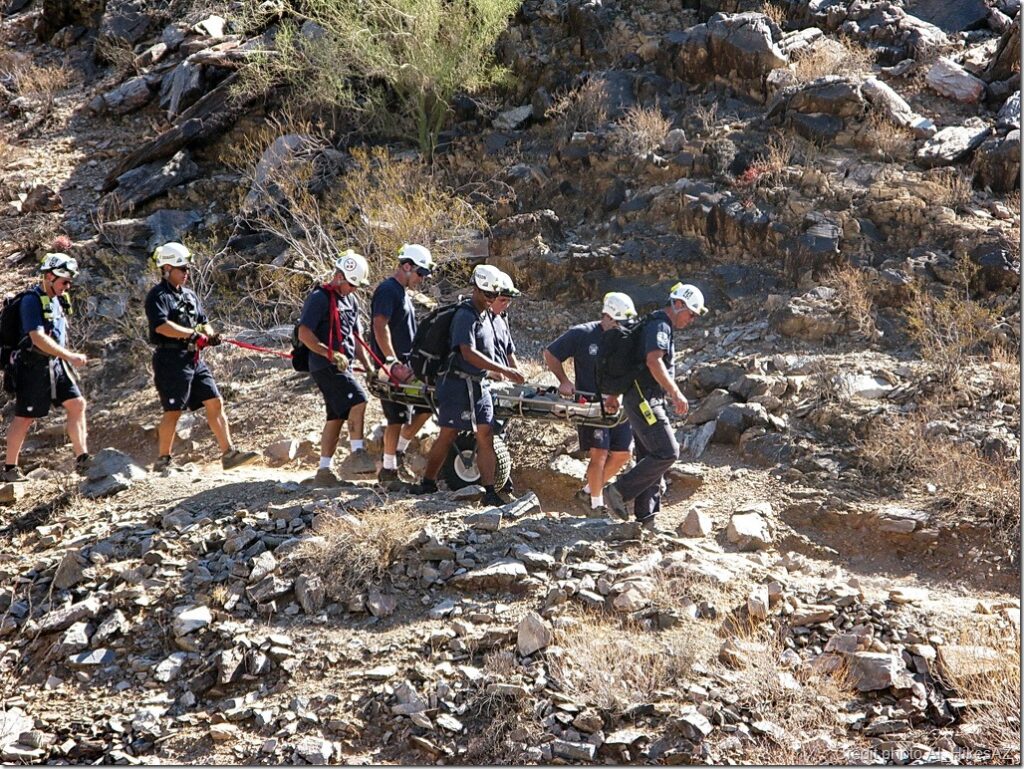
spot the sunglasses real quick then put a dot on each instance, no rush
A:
(423, 272)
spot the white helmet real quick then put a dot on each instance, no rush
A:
(487, 278)
(172, 255)
(508, 288)
(61, 265)
(418, 255)
(690, 296)
(354, 267)
(618, 306)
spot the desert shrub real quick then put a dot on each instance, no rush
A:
(381, 202)
(641, 130)
(39, 83)
(889, 140)
(768, 169)
(393, 64)
(705, 117)
(584, 108)
(774, 12)
(949, 330)
(508, 724)
(857, 297)
(353, 554)
(831, 57)
(954, 187)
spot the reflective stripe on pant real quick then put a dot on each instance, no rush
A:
(656, 449)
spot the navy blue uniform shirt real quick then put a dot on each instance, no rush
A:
(316, 316)
(181, 306)
(581, 343)
(53, 322)
(472, 328)
(392, 301)
(657, 335)
(504, 347)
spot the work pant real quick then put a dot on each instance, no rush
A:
(656, 450)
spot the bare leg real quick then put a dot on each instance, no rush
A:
(412, 429)
(165, 432)
(329, 437)
(355, 422)
(485, 459)
(77, 431)
(439, 452)
(616, 461)
(595, 470)
(218, 422)
(16, 438)
(391, 433)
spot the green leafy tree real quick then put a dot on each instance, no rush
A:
(395, 64)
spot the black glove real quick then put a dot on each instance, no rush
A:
(214, 339)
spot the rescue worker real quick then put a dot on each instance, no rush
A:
(394, 326)
(328, 327)
(179, 331)
(607, 448)
(463, 394)
(44, 364)
(644, 404)
(504, 347)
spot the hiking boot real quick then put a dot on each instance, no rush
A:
(14, 475)
(493, 499)
(615, 503)
(650, 525)
(426, 486)
(163, 464)
(598, 512)
(325, 477)
(359, 462)
(82, 463)
(233, 458)
(582, 498)
(390, 481)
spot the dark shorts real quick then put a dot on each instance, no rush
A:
(341, 391)
(456, 409)
(400, 413)
(181, 384)
(618, 438)
(40, 384)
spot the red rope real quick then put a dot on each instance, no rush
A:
(257, 348)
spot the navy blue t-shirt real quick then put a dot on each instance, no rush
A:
(657, 335)
(392, 301)
(581, 343)
(504, 347)
(472, 328)
(33, 319)
(316, 316)
(165, 303)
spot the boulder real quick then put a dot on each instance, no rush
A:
(522, 237)
(124, 23)
(877, 671)
(151, 180)
(953, 144)
(749, 532)
(813, 316)
(41, 199)
(737, 418)
(69, 571)
(696, 524)
(159, 227)
(191, 619)
(949, 79)
(710, 407)
(895, 108)
(533, 634)
(498, 575)
(282, 451)
(129, 96)
(997, 162)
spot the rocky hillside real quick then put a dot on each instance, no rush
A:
(836, 579)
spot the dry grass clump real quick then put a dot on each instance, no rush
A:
(774, 12)
(970, 486)
(891, 141)
(508, 724)
(799, 700)
(992, 683)
(356, 552)
(39, 83)
(953, 188)
(857, 297)
(611, 663)
(582, 109)
(705, 117)
(830, 56)
(641, 130)
(1005, 372)
(768, 170)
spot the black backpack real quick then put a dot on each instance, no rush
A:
(11, 337)
(620, 358)
(431, 345)
(300, 353)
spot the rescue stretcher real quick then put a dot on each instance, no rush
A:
(525, 401)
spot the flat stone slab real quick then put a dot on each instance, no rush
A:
(499, 575)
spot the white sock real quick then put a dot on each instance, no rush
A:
(355, 444)
(325, 463)
(390, 462)
(596, 502)
(586, 489)
(403, 443)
